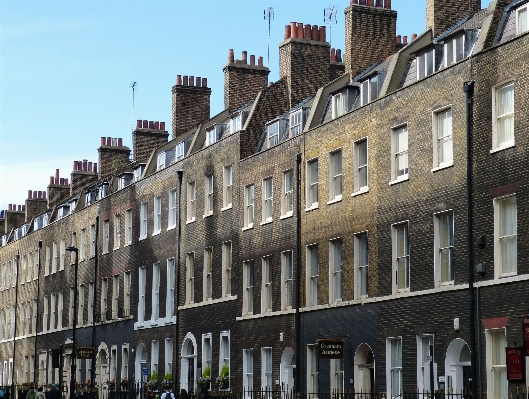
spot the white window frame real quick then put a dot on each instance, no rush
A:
(393, 367)
(142, 285)
(191, 201)
(208, 197)
(339, 104)
(248, 284)
(398, 285)
(155, 356)
(171, 213)
(157, 215)
(249, 204)
(501, 238)
(497, 117)
(155, 298)
(266, 371)
(287, 203)
(127, 287)
(170, 290)
(106, 236)
(442, 129)
(207, 351)
(520, 28)
(335, 175)
(272, 134)
(227, 178)
(211, 136)
(335, 270)
(397, 153)
(143, 220)
(312, 169)
(337, 376)
(268, 199)
(82, 247)
(369, 89)
(361, 265)
(80, 304)
(117, 231)
(287, 277)
(422, 63)
(62, 255)
(207, 291)
(496, 364)
(180, 149)
(312, 261)
(451, 53)
(54, 258)
(104, 298)
(312, 370)
(115, 296)
(128, 227)
(360, 166)
(224, 352)
(91, 304)
(266, 284)
(423, 364)
(247, 366)
(226, 268)
(296, 122)
(443, 277)
(190, 278)
(236, 123)
(160, 164)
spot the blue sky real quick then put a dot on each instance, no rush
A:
(66, 66)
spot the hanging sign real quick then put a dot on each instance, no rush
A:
(85, 352)
(330, 349)
(515, 364)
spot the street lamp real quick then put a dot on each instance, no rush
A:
(74, 346)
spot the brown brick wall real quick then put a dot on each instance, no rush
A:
(369, 36)
(242, 82)
(57, 194)
(145, 141)
(442, 14)
(34, 207)
(81, 179)
(112, 158)
(190, 108)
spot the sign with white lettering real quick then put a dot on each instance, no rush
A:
(85, 352)
(330, 349)
(525, 326)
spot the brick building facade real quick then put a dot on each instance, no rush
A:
(317, 209)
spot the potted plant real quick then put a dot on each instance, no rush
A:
(153, 381)
(205, 379)
(124, 383)
(223, 380)
(167, 380)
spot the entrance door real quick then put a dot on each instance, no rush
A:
(364, 370)
(467, 386)
(287, 370)
(457, 367)
(188, 364)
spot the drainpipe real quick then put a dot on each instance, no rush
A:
(468, 88)
(35, 359)
(94, 354)
(178, 239)
(478, 306)
(297, 381)
(15, 328)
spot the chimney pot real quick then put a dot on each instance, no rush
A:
(378, 3)
(354, 1)
(151, 124)
(114, 141)
(52, 180)
(244, 57)
(333, 55)
(20, 208)
(185, 80)
(370, 3)
(204, 82)
(404, 39)
(120, 142)
(198, 80)
(387, 4)
(95, 167)
(9, 207)
(157, 125)
(44, 195)
(260, 61)
(145, 123)
(338, 55)
(36, 194)
(252, 59)
(56, 176)
(178, 81)
(315, 33)
(74, 165)
(138, 124)
(61, 181)
(23, 208)
(109, 141)
(293, 30)
(103, 141)
(231, 57)
(191, 81)
(286, 36)
(162, 125)
(65, 182)
(307, 32)
(85, 164)
(30, 194)
(413, 36)
(322, 34)
(299, 33)
(397, 39)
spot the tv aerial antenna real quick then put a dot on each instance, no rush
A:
(269, 15)
(133, 86)
(329, 18)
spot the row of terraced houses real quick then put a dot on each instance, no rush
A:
(352, 227)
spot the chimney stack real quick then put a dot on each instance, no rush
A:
(112, 156)
(148, 136)
(242, 81)
(35, 205)
(191, 106)
(442, 14)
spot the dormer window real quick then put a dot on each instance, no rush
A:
(138, 172)
(369, 89)
(425, 64)
(4, 240)
(339, 104)
(62, 211)
(25, 229)
(73, 205)
(37, 224)
(160, 164)
(180, 151)
(91, 197)
(45, 219)
(522, 20)
(272, 132)
(103, 191)
(296, 122)
(214, 133)
(454, 50)
(125, 180)
(236, 123)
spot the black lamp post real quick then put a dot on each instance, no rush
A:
(74, 345)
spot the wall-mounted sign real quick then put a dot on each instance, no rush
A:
(85, 352)
(525, 326)
(330, 349)
(515, 364)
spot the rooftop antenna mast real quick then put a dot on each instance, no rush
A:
(133, 86)
(269, 15)
(329, 17)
